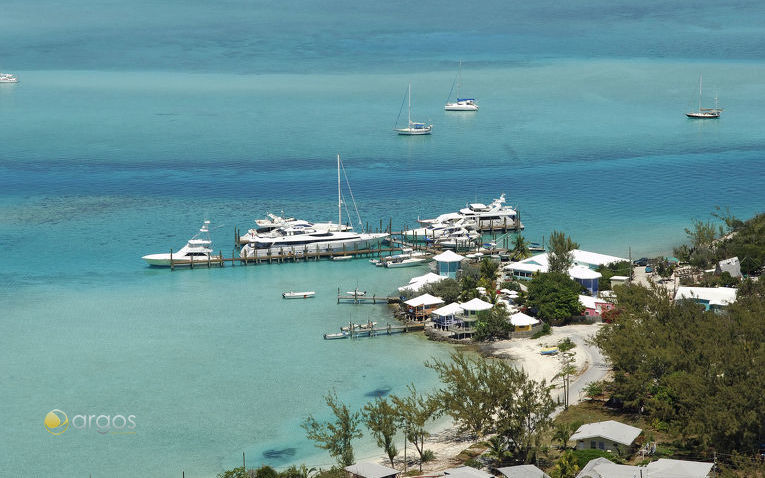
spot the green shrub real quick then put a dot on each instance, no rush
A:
(584, 456)
(428, 455)
(545, 331)
(474, 463)
(566, 345)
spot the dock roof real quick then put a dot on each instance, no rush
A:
(615, 431)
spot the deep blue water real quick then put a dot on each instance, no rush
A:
(133, 122)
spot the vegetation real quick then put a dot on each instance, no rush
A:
(566, 467)
(585, 456)
(335, 436)
(696, 371)
(555, 296)
(448, 289)
(492, 324)
(561, 257)
(623, 268)
(520, 249)
(380, 418)
(562, 433)
(414, 411)
(546, 330)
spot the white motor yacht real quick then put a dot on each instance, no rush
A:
(496, 214)
(197, 250)
(8, 78)
(304, 237)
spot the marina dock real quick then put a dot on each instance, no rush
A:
(375, 331)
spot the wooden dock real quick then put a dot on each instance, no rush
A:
(365, 299)
(375, 331)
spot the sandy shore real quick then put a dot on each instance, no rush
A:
(447, 444)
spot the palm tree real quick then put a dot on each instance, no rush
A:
(567, 466)
(520, 248)
(563, 432)
(497, 450)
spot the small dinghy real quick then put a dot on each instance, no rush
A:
(342, 258)
(339, 335)
(365, 327)
(298, 295)
(357, 293)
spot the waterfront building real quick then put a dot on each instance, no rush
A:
(369, 469)
(448, 263)
(417, 283)
(419, 308)
(594, 306)
(522, 322)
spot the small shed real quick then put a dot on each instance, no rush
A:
(711, 298)
(522, 471)
(619, 280)
(448, 263)
(369, 469)
(607, 435)
(523, 322)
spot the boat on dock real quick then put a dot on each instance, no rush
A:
(356, 327)
(337, 335)
(409, 262)
(198, 249)
(483, 217)
(294, 237)
(298, 295)
(359, 293)
(342, 258)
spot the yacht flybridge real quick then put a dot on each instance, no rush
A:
(298, 237)
(197, 250)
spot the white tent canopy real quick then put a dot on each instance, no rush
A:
(522, 320)
(452, 309)
(424, 300)
(448, 256)
(476, 305)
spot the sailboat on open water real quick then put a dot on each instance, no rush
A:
(705, 113)
(413, 128)
(462, 104)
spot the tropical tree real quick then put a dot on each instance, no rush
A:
(555, 296)
(561, 257)
(497, 451)
(562, 433)
(567, 369)
(413, 412)
(335, 436)
(492, 324)
(380, 418)
(520, 248)
(566, 467)
(489, 269)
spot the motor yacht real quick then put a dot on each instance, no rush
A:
(198, 249)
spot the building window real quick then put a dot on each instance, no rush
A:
(601, 445)
(593, 445)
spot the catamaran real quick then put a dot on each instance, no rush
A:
(705, 113)
(414, 128)
(462, 104)
(297, 239)
(197, 250)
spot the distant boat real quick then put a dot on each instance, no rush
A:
(705, 113)
(369, 325)
(462, 104)
(342, 258)
(338, 335)
(414, 128)
(198, 249)
(8, 78)
(298, 295)
(359, 293)
(410, 262)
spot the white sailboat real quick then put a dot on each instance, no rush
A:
(414, 128)
(462, 104)
(705, 113)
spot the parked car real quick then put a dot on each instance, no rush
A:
(648, 269)
(642, 262)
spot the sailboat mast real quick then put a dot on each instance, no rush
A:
(700, 76)
(339, 200)
(409, 115)
(459, 81)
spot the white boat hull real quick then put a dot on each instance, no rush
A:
(164, 260)
(414, 131)
(327, 246)
(406, 263)
(460, 107)
(298, 295)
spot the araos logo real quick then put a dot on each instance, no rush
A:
(56, 422)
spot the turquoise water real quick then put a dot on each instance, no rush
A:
(133, 123)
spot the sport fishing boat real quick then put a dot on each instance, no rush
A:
(305, 238)
(8, 78)
(197, 250)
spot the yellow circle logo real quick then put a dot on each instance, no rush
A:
(56, 422)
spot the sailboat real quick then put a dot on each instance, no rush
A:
(462, 104)
(705, 113)
(414, 128)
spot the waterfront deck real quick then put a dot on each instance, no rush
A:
(375, 331)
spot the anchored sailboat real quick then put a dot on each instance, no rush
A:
(462, 104)
(414, 128)
(705, 113)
